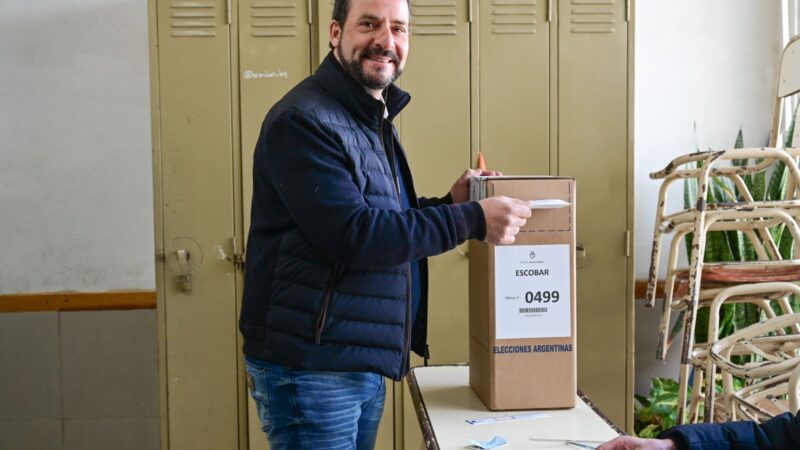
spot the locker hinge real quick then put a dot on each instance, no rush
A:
(469, 11)
(627, 10)
(161, 256)
(235, 257)
(627, 243)
(228, 14)
(238, 256)
(310, 8)
(550, 10)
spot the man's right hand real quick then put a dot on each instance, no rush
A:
(504, 217)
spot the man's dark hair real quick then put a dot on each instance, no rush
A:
(340, 10)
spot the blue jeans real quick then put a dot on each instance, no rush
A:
(306, 409)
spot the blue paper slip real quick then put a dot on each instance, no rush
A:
(494, 442)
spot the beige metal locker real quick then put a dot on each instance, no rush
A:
(593, 147)
(512, 49)
(197, 299)
(274, 55)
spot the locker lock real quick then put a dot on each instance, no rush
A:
(184, 277)
(183, 257)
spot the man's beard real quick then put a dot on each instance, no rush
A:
(356, 70)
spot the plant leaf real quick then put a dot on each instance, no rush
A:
(701, 325)
(739, 140)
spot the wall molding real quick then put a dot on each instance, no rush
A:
(77, 301)
(122, 300)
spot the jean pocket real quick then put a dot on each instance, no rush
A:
(256, 382)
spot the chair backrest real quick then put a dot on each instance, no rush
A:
(794, 390)
(782, 362)
(789, 76)
(788, 84)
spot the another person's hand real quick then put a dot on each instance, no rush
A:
(504, 217)
(634, 443)
(460, 190)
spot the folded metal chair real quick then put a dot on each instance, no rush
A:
(771, 377)
(760, 294)
(787, 85)
(701, 283)
(751, 217)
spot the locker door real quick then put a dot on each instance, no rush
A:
(514, 85)
(197, 305)
(274, 55)
(435, 131)
(593, 98)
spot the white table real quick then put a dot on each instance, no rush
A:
(444, 401)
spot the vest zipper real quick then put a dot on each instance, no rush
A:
(326, 300)
(392, 161)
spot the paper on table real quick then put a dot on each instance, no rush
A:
(494, 442)
(551, 203)
(581, 443)
(522, 416)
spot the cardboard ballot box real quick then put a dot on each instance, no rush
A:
(522, 344)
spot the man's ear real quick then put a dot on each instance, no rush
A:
(335, 32)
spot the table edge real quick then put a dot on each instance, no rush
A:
(429, 436)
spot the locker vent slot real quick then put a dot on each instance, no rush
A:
(274, 18)
(433, 17)
(193, 19)
(514, 16)
(592, 16)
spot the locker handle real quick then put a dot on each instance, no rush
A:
(184, 278)
(581, 256)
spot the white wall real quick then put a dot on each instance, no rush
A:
(75, 146)
(713, 63)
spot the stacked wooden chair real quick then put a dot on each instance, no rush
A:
(766, 283)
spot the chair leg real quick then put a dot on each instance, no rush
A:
(710, 391)
(663, 327)
(683, 387)
(655, 253)
(697, 395)
(669, 292)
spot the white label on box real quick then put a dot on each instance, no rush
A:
(532, 291)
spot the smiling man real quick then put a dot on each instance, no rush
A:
(335, 293)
